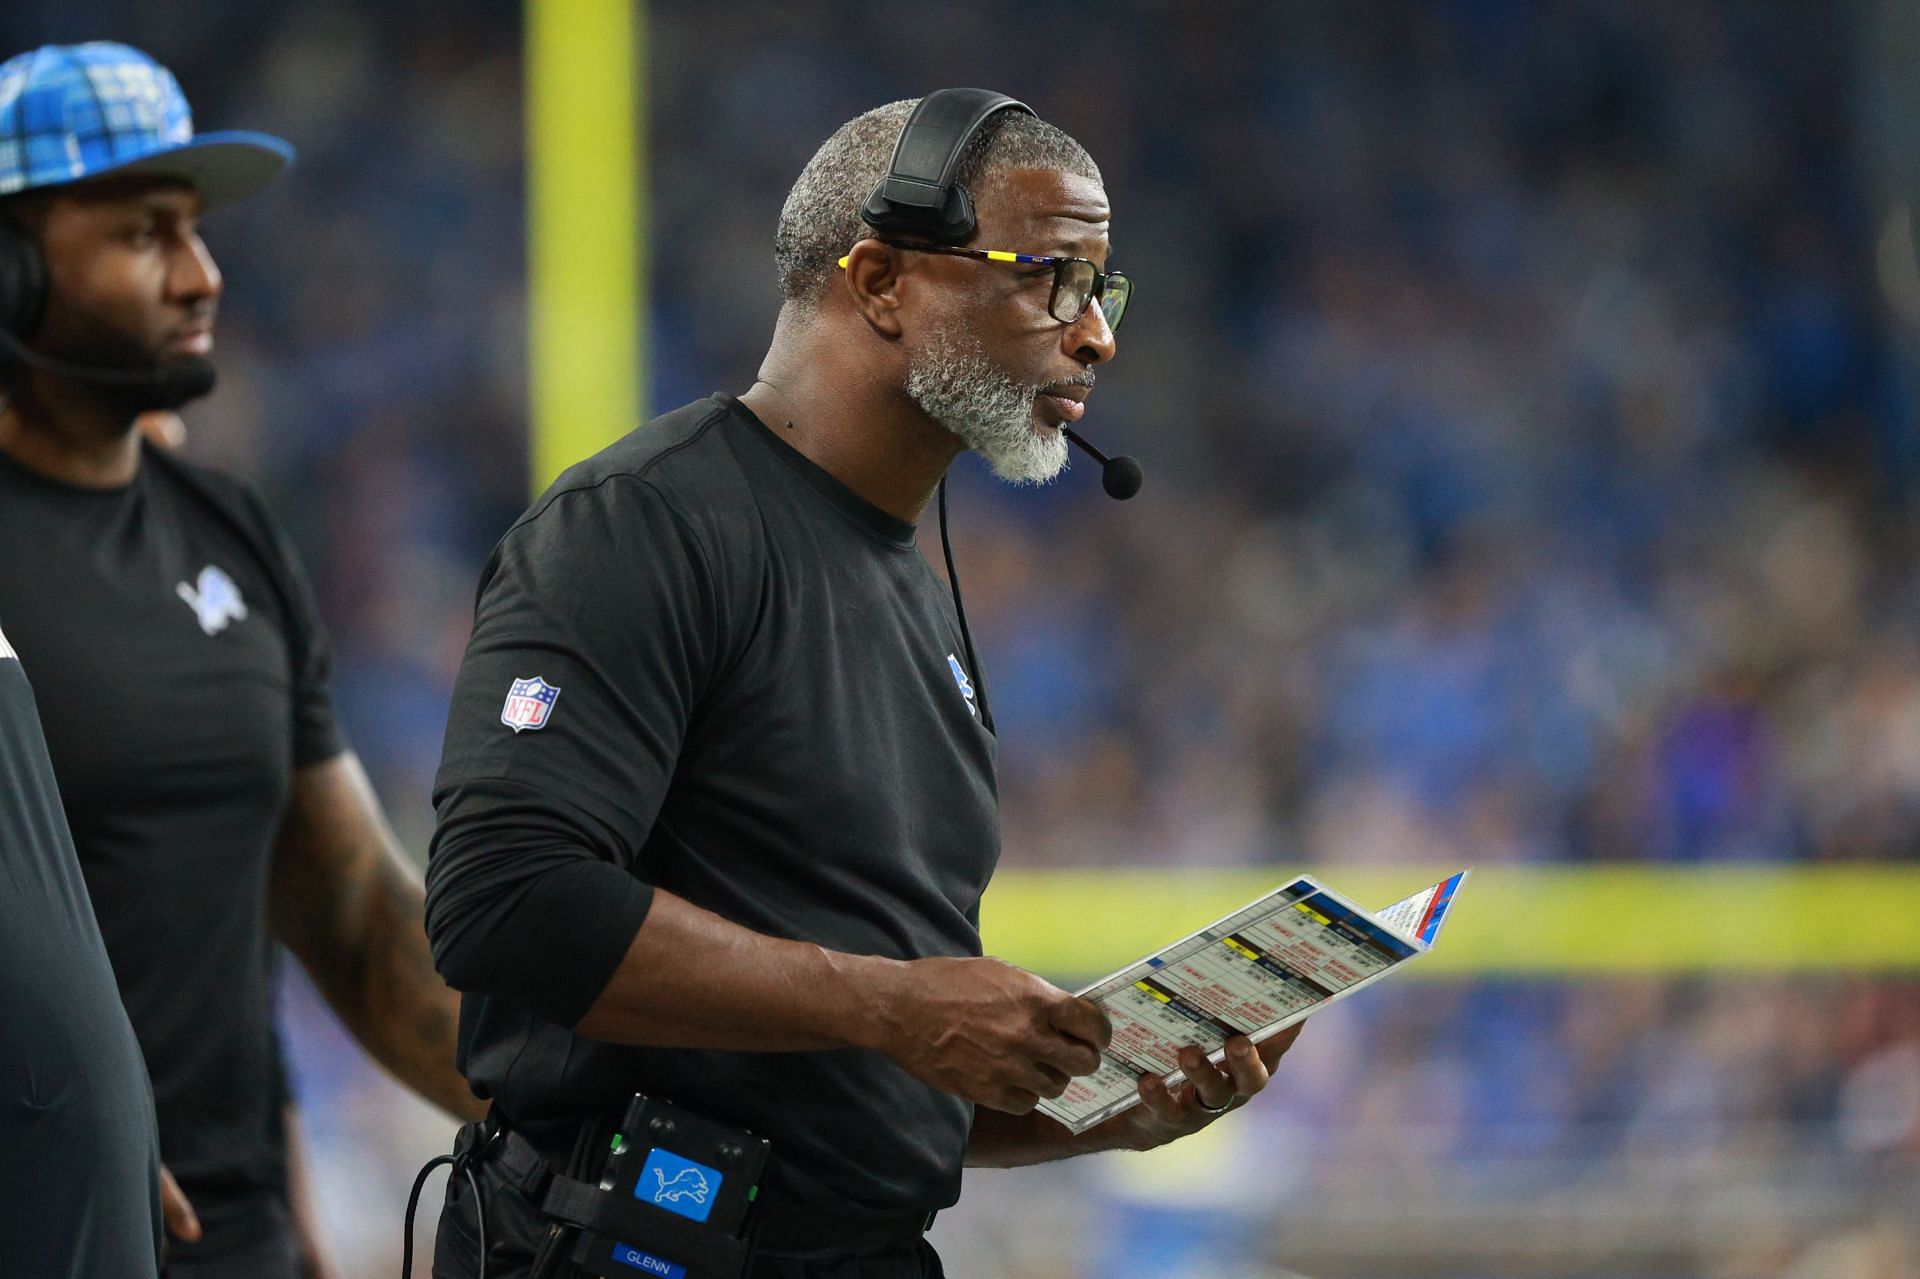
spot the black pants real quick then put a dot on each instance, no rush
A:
(917, 1262)
(262, 1249)
(267, 1259)
(516, 1230)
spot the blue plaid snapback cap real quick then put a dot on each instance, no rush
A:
(79, 111)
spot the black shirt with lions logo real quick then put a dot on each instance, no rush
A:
(700, 663)
(182, 677)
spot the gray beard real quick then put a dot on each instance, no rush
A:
(955, 384)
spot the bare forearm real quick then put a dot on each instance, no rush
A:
(382, 982)
(348, 903)
(974, 1027)
(692, 979)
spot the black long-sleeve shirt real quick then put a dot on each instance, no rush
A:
(702, 664)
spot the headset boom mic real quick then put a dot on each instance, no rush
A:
(79, 372)
(1119, 476)
(167, 386)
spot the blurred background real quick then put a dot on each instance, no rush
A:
(1527, 392)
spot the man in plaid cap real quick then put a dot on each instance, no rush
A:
(179, 665)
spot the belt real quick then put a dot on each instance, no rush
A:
(786, 1229)
(780, 1227)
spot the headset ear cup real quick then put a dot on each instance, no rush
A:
(953, 224)
(876, 212)
(957, 213)
(23, 281)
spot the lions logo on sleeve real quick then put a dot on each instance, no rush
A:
(529, 703)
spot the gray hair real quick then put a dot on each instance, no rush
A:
(821, 218)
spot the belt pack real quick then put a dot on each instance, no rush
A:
(675, 1197)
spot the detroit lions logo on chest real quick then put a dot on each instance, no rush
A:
(215, 600)
(966, 685)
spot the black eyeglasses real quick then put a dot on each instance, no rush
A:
(1076, 281)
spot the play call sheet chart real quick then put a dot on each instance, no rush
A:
(1253, 973)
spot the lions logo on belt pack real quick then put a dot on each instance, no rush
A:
(678, 1184)
(529, 703)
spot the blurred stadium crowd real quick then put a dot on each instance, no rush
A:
(1531, 476)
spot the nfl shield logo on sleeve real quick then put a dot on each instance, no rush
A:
(529, 702)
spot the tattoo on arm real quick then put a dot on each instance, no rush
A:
(349, 904)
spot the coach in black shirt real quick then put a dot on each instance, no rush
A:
(181, 669)
(718, 800)
(79, 1158)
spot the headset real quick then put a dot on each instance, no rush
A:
(24, 289)
(23, 281)
(919, 194)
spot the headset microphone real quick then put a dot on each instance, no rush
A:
(921, 195)
(1119, 476)
(170, 385)
(79, 372)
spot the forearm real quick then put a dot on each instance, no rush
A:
(537, 906)
(691, 979)
(379, 977)
(349, 904)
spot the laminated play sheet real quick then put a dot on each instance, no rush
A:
(1273, 962)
